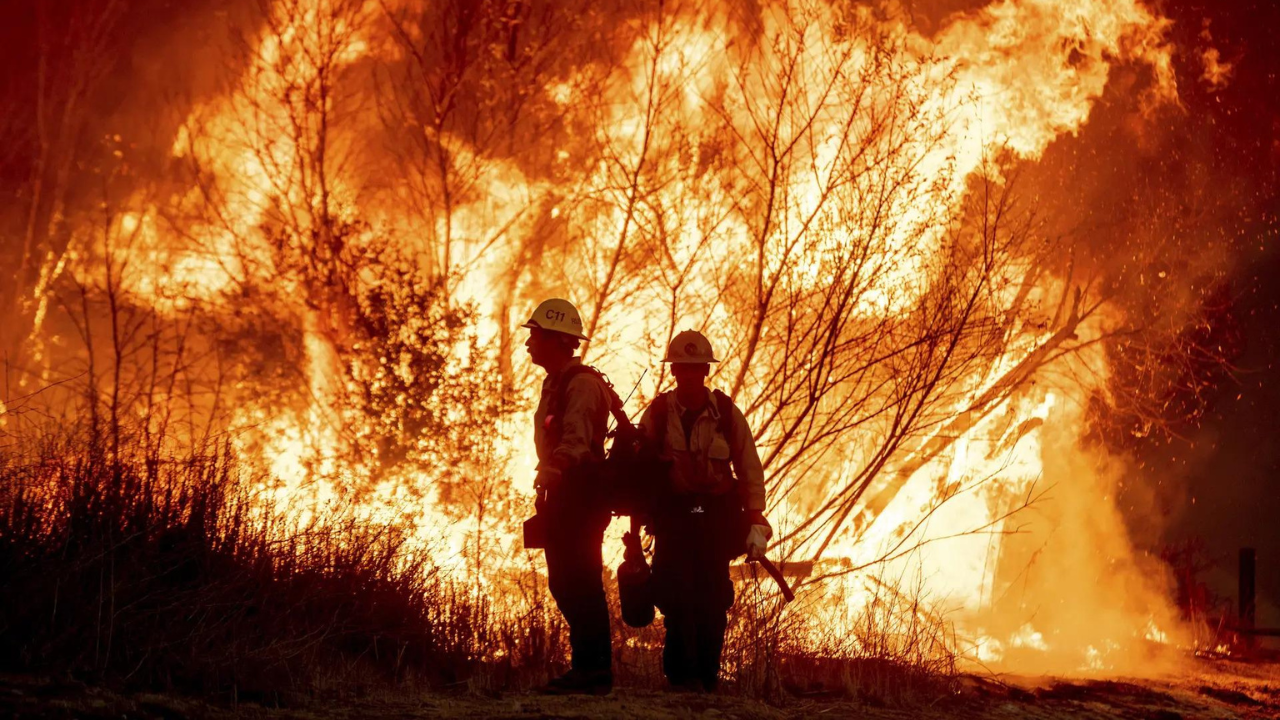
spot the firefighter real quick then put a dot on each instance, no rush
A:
(569, 432)
(712, 512)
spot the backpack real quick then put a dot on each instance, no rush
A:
(630, 476)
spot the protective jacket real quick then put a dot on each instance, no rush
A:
(704, 460)
(582, 423)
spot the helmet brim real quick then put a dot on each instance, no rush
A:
(531, 325)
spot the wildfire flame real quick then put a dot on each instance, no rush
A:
(646, 195)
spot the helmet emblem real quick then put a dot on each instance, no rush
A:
(690, 349)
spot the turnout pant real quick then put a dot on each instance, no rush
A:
(693, 589)
(574, 568)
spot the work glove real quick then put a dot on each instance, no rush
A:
(758, 536)
(547, 478)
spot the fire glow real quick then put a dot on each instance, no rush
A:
(816, 187)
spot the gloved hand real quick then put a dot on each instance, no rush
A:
(547, 478)
(758, 540)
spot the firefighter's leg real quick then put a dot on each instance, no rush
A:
(574, 568)
(712, 617)
(675, 591)
(679, 653)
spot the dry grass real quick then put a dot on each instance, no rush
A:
(165, 572)
(888, 648)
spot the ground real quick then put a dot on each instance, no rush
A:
(1209, 689)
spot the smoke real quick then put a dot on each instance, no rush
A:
(1073, 570)
(1174, 210)
(94, 93)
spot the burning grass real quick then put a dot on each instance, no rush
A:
(171, 573)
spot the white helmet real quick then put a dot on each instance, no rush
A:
(558, 316)
(690, 346)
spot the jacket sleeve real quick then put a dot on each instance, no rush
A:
(585, 405)
(746, 463)
(647, 421)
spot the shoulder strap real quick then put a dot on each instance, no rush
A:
(724, 405)
(661, 406)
